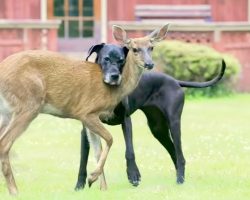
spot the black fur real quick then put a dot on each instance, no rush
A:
(111, 59)
(161, 99)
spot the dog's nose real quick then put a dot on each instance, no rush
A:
(114, 77)
(149, 65)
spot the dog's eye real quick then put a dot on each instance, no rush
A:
(121, 61)
(107, 59)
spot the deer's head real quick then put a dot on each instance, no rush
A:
(140, 49)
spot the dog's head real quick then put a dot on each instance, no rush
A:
(111, 58)
(140, 49)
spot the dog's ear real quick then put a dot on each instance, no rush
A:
(96, 49)
(125, 50)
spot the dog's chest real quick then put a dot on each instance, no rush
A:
(106, 115)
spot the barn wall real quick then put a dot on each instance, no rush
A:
(20, 9)
(28, 35)
(222, 10)
(234, 42)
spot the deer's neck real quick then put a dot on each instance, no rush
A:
(131, 75)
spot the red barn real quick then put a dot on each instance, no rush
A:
(74, 25)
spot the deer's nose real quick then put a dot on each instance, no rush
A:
(149, 65)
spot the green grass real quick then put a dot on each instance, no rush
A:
(216, 145)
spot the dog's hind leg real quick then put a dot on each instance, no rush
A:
(172, 113)
(95, 141)
(162, 134)
(175, 130)
(158, 124)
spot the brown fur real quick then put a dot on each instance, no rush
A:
(32, 82)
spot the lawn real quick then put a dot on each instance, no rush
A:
(216, 145)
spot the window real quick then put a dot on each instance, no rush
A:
(77, 18)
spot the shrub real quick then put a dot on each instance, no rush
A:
(195, 62)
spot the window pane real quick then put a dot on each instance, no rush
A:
(88, 28)
(73, 8)
(61, 30)
(58, 7)
(73, 29)
(87, 11)
(87, 8)
(88, 3)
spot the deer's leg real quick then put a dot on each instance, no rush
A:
(94, 124)
(95, 141)
(16, 128)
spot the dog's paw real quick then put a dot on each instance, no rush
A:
(134, 181)
(80, 185)
(180, 180)
(134, 175)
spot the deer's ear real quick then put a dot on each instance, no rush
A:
(96, 49)
(159, 34)
(120, 35)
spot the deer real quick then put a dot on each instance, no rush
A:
(40, 81)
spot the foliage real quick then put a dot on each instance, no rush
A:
(195, 62)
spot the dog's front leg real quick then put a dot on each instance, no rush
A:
(82, 175)
(133, 173)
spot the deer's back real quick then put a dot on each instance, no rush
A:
(69, 85)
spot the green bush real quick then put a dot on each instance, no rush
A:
(195, 62)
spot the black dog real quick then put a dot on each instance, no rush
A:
(162, 102)
(112, 58)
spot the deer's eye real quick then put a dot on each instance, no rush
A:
(135, 50)
(151, 48)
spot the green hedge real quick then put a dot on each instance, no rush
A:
(195, 62)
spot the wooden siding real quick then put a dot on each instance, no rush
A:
(22, 28)
(234, 42)
(222, 10)
(20, 9)
(229, 10)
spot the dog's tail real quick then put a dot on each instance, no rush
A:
(207, 83)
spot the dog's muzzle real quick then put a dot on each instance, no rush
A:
(112, 79)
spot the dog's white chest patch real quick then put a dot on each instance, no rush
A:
(106, 115)
(50, 109)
